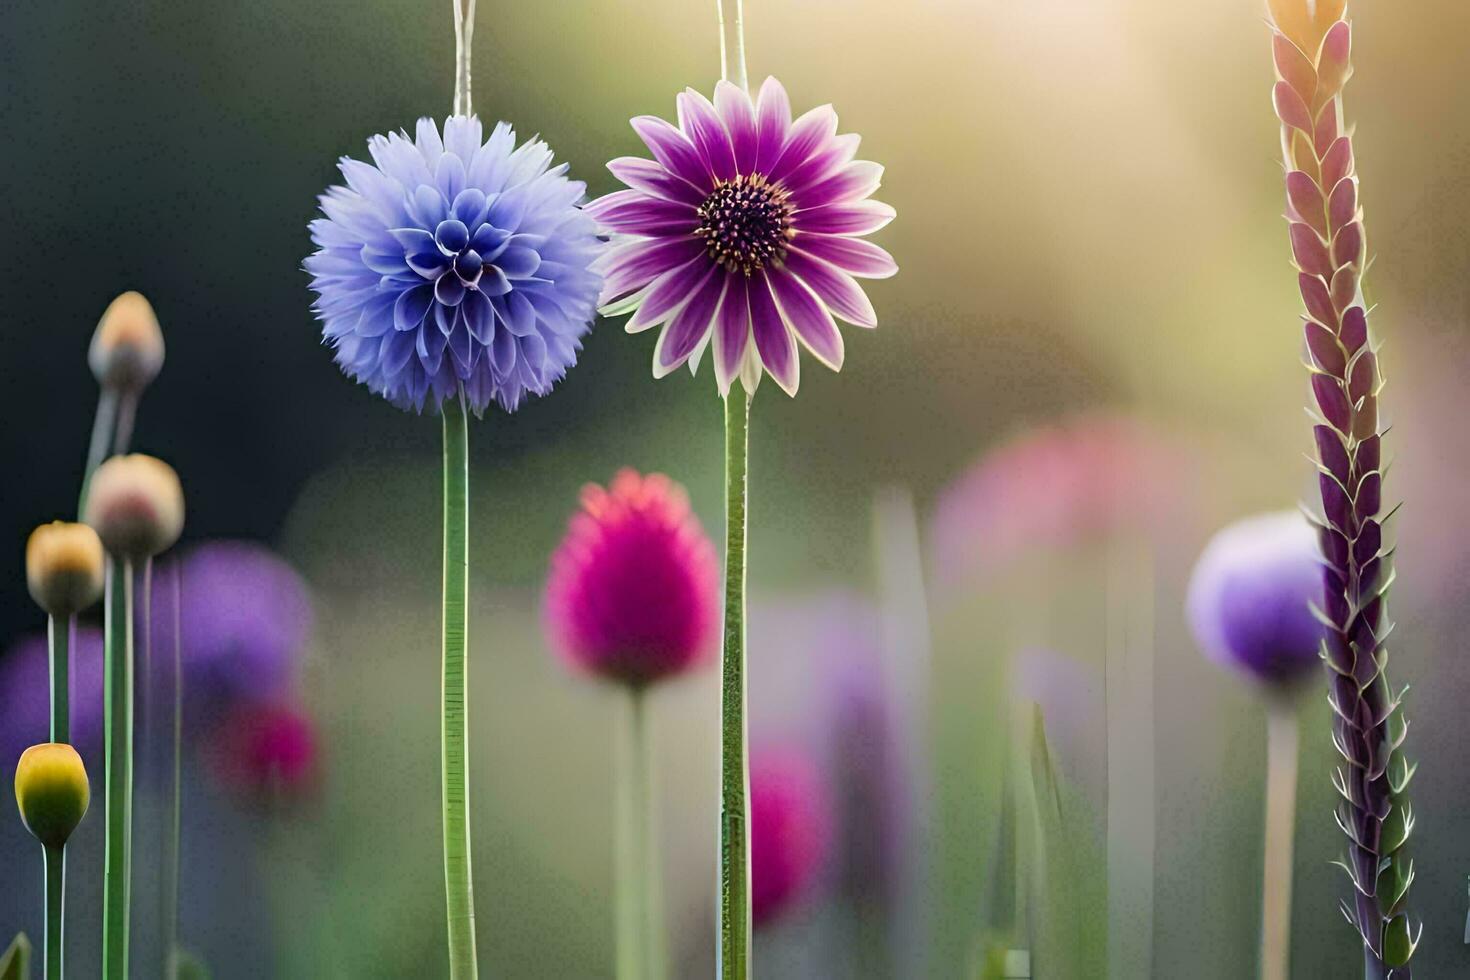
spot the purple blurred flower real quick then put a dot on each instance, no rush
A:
(245, 617)
(450, 263)
(25, 706)
(1250, 598)
(790, 829)
(265, 751)
(1054, 487)
(748, 230)
(634, 586)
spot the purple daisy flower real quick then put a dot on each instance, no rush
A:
(450, 263)
(1250, 598)
(746, 228)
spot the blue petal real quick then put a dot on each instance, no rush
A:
(430, 347)
(517, 312)
(518, 262)
(461, 346)
(449, 176)
(471, 206)
(411, 306)
(430, 264)
(429, 207)
(502, 353)
(480, 316)
(448, 290)
(396, 350)
(493, 282)
(489, 240)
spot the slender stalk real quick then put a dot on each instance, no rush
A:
(58, 635)
(118, 746)
(464, 30)
(734, 953)
(170, 891)
(102, 426)
(127, 416)
(55, 911)
(457, 883)
(639, 932)
(1282, 739)
(732, 43)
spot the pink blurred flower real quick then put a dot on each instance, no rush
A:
(633, 589)
(790, 830)
(264, 750)
(1054, 487)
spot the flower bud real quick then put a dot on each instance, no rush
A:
(127, 347)
(51, 788)
(136, 505)
(64, 567)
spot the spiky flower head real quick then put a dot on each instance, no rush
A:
(52, 791)
(744, 233)
(127, 347)
(1250, 599)
(634, 586)
(452, 263)
(791, 826)
(136, 505)
(64, 567)
(1312, 48)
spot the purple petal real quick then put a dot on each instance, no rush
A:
(650, 178)
(732, 332)
(826, 161)
(669, 291)
(462, 349)
(852, 183)
(493, 282)
(518, 262)
(773, 122)
(518, 314)
(503, 353)
(448, 290)
(809, 134)
(801, 308)
(634, 265)
(853, 218)
(854, 255)
(634, 213)
(479, 316)
(672, 149)
(690, 325)
(397, 348)
(430, 347)
(735, 109)
(411, 306)
(773, 338)
(836, 288)
(700, 122)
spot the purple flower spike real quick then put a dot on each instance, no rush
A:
(245, 616)
(633, 590)
(450, 263)
(24, 709)
(790, 830)
(746, 230)
(1250, 599)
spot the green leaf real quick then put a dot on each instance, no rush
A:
(16, 963)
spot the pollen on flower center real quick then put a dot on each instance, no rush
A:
(746, 223)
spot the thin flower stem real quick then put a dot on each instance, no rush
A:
(734, 953)
(58, 634)
(639, 946)
(732, 43)
(464, 30)
(170, 891)
(458, 886)
(102, 426)
(55, 911)
(118, 708)
(1282, 739)
(127, 417)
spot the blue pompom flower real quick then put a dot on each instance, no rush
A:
(451, 262)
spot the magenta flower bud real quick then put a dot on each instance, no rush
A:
(633, 590)
(790, 830)
(261, 751)
(1250, 599)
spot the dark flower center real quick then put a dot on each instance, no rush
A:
(746, 223)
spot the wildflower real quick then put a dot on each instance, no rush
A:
(64, 567)
(747, 229)
(136, 505)
(452, 263)
(263, 750)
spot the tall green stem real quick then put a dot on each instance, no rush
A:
(1282, 739)
(58, 635)
(639, 927)
(118, 710)
(55, 911)
(734, 958)
(102, 425)
(732, 43)
(458, 887)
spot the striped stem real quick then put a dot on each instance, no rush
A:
(639, 934)
(455, 798)
(118, 751)
(58, 636)
(55, 911)
(1312, 47)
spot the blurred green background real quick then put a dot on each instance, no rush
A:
(1089, 197)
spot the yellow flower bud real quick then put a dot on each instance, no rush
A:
(136, 505)
(127, 347)
(51, 788)
(64, 567)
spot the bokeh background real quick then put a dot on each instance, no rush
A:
(1089, 237)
